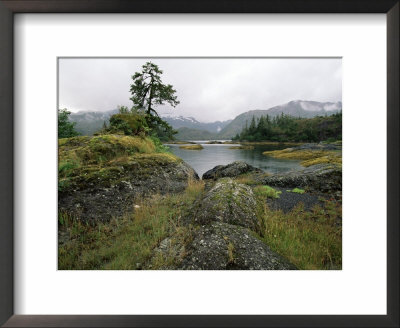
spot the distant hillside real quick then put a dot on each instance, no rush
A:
(88, 123)
(298, 108)
(194, 134)
(190, 122)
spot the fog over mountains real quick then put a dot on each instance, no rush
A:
(296, 108)
(191, 129)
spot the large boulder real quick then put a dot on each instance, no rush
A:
(228, 202)
(320, 177)
(221, 246)
(221, 235)
(231, 170)
(101, 177)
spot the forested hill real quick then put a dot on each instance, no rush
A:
(296, 108)
(285, 128)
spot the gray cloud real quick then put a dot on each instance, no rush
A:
(208, 89)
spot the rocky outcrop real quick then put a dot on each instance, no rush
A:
(231, 170)
(223, 227)
(112, 191)
(320, 177)
(227, 202)
(221, 246)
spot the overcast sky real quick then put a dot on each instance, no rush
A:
(208, 89)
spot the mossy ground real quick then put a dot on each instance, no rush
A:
(308, 157)
(192, 147)
(128, 243)
(102, 160)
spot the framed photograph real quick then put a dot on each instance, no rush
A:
(195, 172)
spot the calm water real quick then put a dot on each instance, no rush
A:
(213, 155)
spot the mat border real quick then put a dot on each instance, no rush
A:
(10, 7)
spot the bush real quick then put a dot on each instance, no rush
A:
(128, 123)
(66, 129)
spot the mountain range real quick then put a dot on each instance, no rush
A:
(190, 129)
(88, 123)
(190, 122)
(296, 108)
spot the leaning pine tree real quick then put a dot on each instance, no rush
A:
(148, 91)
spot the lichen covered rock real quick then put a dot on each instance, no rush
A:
(231, 170)
(221, 246)
(229, 202)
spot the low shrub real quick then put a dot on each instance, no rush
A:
(267, 192)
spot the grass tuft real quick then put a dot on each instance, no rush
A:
(297, 191)
(127, 243)
(310, 240)
(267, 192)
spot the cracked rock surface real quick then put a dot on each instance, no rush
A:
(92, 201)
(222, 246)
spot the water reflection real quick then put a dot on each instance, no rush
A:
(212, 155)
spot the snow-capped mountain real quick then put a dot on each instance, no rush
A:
(190, 122)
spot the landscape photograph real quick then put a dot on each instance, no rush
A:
(199, 163)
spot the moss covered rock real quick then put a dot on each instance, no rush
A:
(228, 202)
(100, 177)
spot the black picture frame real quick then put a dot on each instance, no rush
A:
(7, 10)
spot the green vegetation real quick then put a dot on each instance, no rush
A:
(66, 128)
(310, 240)
(128, 243)
(308, 157)
(285, 128)
(192, 147)
(103, 159)
(148, 91)
(297, 191)
(267, 192)
(131, 124)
